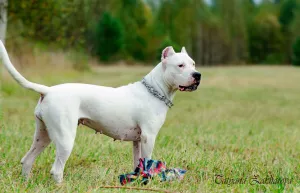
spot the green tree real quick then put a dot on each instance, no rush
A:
(63, 22)
(295, 26)
(287, 14)
(136, 17)
(181, 21)
(231, 14)
(109, 37)
(296, 52)
(265, 39)
(286, 18)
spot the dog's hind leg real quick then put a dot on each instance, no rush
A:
(63, 139)
(40, 141)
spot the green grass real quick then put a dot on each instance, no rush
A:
(241, 122)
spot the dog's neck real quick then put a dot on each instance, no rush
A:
(157, 79)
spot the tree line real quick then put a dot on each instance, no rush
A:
(215, 32)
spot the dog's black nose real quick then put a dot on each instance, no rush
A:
(197, 75)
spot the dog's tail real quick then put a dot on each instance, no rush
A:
(17, 76)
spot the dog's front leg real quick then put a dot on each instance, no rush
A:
(136, 153)
(147, 144)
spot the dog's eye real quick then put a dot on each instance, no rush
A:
(180, 65)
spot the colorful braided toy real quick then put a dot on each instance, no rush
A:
(148, 168)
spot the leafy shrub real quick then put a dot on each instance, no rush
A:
(296, 52)
(109, 37)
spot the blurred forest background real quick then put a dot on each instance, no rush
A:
(215, 32)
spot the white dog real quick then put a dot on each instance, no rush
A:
(135, 112)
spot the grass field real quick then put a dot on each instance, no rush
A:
(241, 122)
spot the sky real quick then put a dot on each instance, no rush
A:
(257, 1)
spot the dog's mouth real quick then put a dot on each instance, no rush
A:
(190, 88)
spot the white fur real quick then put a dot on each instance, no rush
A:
(128, 113)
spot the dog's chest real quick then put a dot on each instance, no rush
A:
(125, 133)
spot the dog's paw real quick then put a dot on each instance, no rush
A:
(58, 177)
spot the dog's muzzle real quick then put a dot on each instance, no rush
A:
(194, 86)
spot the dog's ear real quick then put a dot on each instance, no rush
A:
(183, 50)
(167, 52)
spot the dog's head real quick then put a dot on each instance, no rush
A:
(179, 70)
